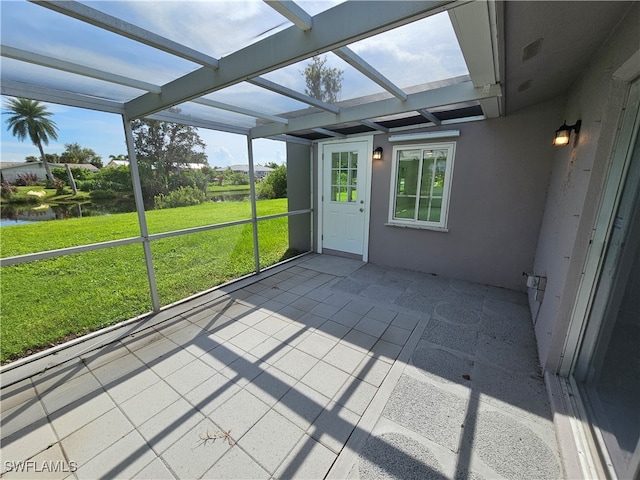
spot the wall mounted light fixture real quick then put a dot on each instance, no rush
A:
(377, 154)
(564, 132)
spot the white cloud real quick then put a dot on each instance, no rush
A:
(220, 156)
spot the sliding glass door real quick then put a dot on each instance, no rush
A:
(608, 368)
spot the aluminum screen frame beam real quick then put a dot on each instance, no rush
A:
(368, 71)
(75, 68)
(346, 23)
(287, 92)
(457, 93)
(118, 26)
(12, 88)
(292, 12)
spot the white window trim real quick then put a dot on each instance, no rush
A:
(440, 226)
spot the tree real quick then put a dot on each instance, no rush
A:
(74, 153)
(274, 185)
(323, 83)
(30, 118)
(162, 150)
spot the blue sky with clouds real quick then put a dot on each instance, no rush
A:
(421, 52)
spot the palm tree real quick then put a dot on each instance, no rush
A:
(29, 118)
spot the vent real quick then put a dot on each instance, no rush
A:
(531, 50)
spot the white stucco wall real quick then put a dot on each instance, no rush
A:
(576, 184)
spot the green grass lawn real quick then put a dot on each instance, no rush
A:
(48, 301)
(217, 189)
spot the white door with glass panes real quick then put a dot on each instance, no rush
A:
(345, 167)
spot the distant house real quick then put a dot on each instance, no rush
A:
(259, 171)
(181, 166)
(10, 171)
(117, 163)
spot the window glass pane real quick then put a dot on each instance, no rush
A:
(420, 184)
(407, 183)
(435, 209)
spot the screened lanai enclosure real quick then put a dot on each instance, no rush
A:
(431, 229)
(236, 68)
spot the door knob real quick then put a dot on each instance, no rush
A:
(362, 209)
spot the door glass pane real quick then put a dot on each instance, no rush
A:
(344, 176)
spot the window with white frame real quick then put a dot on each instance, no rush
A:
(420, 185)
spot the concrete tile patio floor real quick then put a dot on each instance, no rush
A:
(327, 368)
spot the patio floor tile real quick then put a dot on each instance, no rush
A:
(325, 378)
(25, 432)
(296, 363)
(372, 370)
(85, 443)
(239, 413)
(122, 459)
(271, 350)
(309, 459)
(318, 381)
(66, 392)
(334, 426)
(243, 370)
(359, 340)
(192, 455)
(316, 345)
(302, 405)
(332, 330)
(70, 418)
(169, 424)
(271, 440)
(212, 393)
(125, 377)
(345, 357)
(271, 385)
(271, 325)
(50, 456)
(156, 470)
(356, 395)
(236, 465)
(190, 376)
(146, 404)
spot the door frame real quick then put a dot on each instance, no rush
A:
(368, 139)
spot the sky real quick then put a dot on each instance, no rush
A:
(421, 52)
(104, 134)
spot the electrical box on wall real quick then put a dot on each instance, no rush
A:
(538, 283)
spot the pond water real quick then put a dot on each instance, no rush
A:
(11, 215)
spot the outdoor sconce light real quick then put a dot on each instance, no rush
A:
(564, 132)
(377, 153)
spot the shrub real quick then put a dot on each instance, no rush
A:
(274, 185)
(116, 179)
(26, 180)
(182, 197)
(7, 190)
(77, 172)
(59, 186)
(188, 178)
